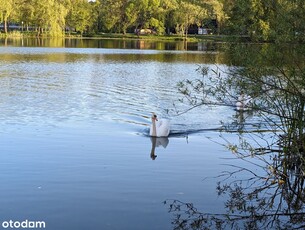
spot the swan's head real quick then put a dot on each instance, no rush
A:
(154, 117)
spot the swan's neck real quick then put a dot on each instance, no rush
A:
(154, 128)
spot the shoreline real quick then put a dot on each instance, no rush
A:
(131, 36)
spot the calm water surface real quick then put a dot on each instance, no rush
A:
(74, 146)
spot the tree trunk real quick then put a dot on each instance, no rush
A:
(185, 32)
(5, 26)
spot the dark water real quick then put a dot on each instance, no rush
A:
(112, 44)
(74, 150)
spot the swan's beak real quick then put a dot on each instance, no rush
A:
(154, 117)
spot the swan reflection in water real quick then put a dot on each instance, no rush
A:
(157, 142)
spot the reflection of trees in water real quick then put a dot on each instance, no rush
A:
(267, 193)
(272, 195)
(273, 200)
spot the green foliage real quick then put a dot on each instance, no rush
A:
(269, 192)
(118, 16)
(8, 10)
(188, 14)
(275, 84)
(279, 20)
(79, 16)
(258, 20)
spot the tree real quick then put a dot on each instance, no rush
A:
(188, 13)
(216, 12)
(130, 16)
(118, 15)
(110, 13)
(279, 20)
(277, 89)
(57, 18)
(246, 17)
(167, 9)
(272, 195)
(79, 16)
(46, 15)
(6, 10)
(150, 15)
(287, 21)
(27, 13)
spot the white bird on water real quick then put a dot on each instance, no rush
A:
(243, 102)
(159, 127)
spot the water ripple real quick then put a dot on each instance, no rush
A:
(42, 91)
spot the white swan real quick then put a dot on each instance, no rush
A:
(243, 102)
(159, 127)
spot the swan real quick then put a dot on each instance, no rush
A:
(159, 127)
(243, 102)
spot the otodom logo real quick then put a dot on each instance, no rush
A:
(26, 224)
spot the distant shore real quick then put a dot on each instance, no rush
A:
(168, 38)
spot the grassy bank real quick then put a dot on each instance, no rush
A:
(190, 38)
(168, 38)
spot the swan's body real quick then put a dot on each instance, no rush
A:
(159, 127)
(243, 102)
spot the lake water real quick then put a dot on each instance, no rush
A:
(75, 150)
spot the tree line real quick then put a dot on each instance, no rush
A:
(263, 20)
